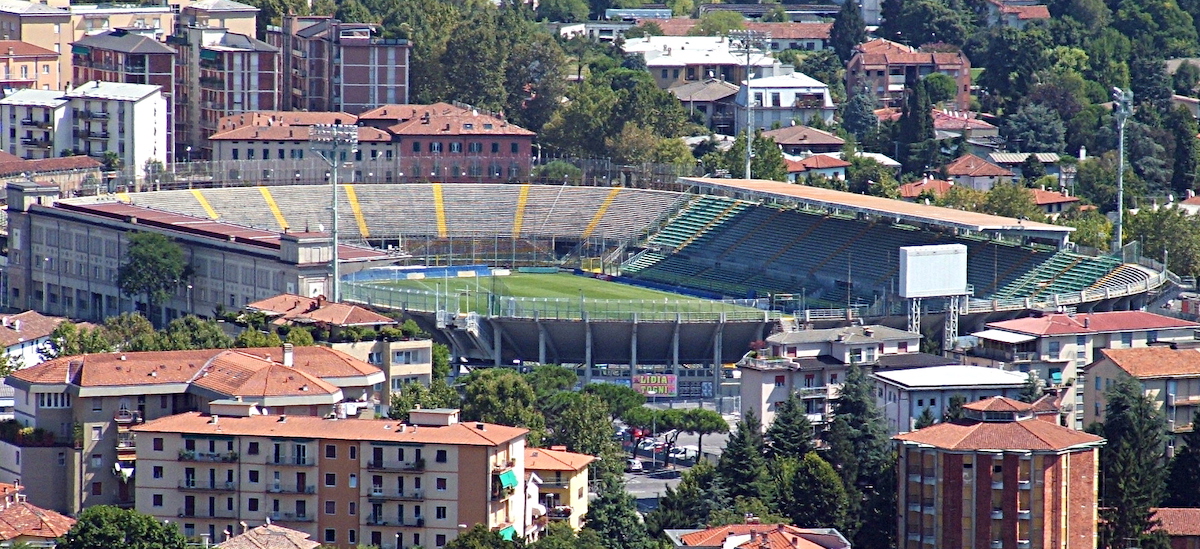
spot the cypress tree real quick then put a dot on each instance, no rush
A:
(925, 419)
(791, 434)
(1183, 175)
(1183, 476)
(848, 30)
(613, 515)
(810, 493)
(916, 127)
(743, 467)
(1130, 463)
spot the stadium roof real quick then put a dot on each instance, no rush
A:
(874, 205)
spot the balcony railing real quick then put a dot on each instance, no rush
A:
(219, 457)
(206, 486)
(503, 493)
(377, 520)
(185, 512)
(299, 461)
(42, 124)
(36, 143)
(378, 493)
(291, 517)
(498, 468)
(280, 488)
(381, 465)
(126, 444)
(128, 417)
(102, 115)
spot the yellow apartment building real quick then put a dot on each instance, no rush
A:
(563, 486)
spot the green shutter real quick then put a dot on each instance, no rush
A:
(508, 479)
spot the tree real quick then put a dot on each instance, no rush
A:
(1032, 169)
(925, 419)
(940, 87)
(1092, 228)
(153, 267)
(112, 161)
(848, 31)
(743, 466)
(501, 395)
(791, 434)
(9, 364)
(809, 492)
(111, 527)
(858, 115)
(916, 127)
(1185, 79)
(1169, 231)
(613, 516)
(580, 422)
(441, 361)
(634, 145)
(480, 537)
(954, 409)
(767, 161)
(1131, 463)
(1012, 200)
(299, 337)
(69, 339)
(560, 535)
(718, 23)
(619, 399)
(191, 332)
(250, 338)
(534, 81)
(1032, 389)
(689, 504)
(1183, 173)
(413, 395)
(646, 28)
(550, 379)
(926, 21)
(1183, 474)
(1036, 128)
(563, 11)
(473, 49)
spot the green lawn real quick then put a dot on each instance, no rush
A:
(557, 285)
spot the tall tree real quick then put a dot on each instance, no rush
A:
(688, 505)
(618, 398)
(548, 380)
(700, 422)
(1032, 389)
(560, 535)
(580, 422)
(861, 452)
(1131, 463)
(954, 408)
(1012, 200)
(501, 395)
(1183, 475)
(848, 31)
(475, 50)
(858, 115)
(809, 492)
(1183, 173)
(153, 267)
(613, 516)
(925, 419)
(480, 537)
(413, 394)
(191, 332)
(916, 127)
(111, 527)
(1037, 128)
(69, 339)
(743, 466)
(791, 434)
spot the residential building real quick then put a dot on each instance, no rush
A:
(814, 362)
(804, 36)
(73, 175)
(269, 536)
(24, 523)
(903, 395)
(884, 68)
(1057, 346)
(329, 65)
(24, 336)
(1169, 376)
(713, 99)
(753, 535)
(1182, 526)
(676, 60)
(952, 124)
(42, 25)
(7, 402)
(973, 172)
(220, 73)
(63, 256)
(798, 139)
(1016, 13)
(345, 482)
(232, 16)
(933, 188)
(1013, 161)
(24, 65)
(817, 165)
(562, 479)
(785, 99)
(39, 123)
(82, 409)
(1053, 203)
(131, 56)
(997, 478)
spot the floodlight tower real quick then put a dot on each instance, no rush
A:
(1122, 108)
(748, 42)
(331, 142)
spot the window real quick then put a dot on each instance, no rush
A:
(475, 147)
(97, 404)
(440, 512)
(158, 471)
(455, 147)
(353, 480)
(158, 444)
(353, 536)
(440, 483)
(833, 378)
(352, 509)
(1099, 383)
(921, 402)
(252, 449)
(779, 381)
(330, 479)
(435, 147)
(97, 488)
(416, 146)
(665, 73)
(331, 507)
(97, 431)
(495, 147)
(252, 476)
(1127, 339)
(440, 540)
(330, 451)
(62, 459)
(252, 504)
(330, 535)
(157, 500)
(902, 347)
(513, 148)
(1054, 348)
(353, 454)
(1152, 336)
(776, 100)
(440, 456)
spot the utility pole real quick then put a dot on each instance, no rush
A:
(749, 42)
(330, 141)
(1122, 108)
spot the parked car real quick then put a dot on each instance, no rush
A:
(633, 466)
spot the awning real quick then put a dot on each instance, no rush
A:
(508, 479)
(124, 471)
(508, 533)
(1003, 336)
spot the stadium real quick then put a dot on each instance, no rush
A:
(657, 278)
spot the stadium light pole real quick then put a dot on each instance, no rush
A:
(330, 141)
(1122, 107)
(750, 43)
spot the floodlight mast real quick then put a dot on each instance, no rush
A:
(750, 42)
(1123, 107)
(330, 142)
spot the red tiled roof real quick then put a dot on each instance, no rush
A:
(237, 373)
(972, 166)
(19, 518)
(1043, 197)
(288, 133)
(33, 325)
(1028, 434)
(283, 118)
(681, 26)
(881, 53)
(1176, 521)
(39, 165)
(998, 404)
(542, 459)
(270, 536)
(942, 120)
(293, 308)
(823, 162)
(1149, 362)
(762, 536)
(882, 45)
(1090, 323)
(17, 48)
(1024, 13)
(441, 119)
(936, 186)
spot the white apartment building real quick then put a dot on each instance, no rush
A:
(785, 99)
(902, 395)
(93, 119)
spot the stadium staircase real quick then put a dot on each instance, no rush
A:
(696, 221)
(1064, 272)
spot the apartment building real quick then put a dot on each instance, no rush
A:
(44, 26)
(37, 124)
(677, 60)
(220, 73)
(234, 17)
(25, 524)
(754, 535)
(329, 65)
(1169, 375)
(997, 478)
(1056, 347)
(24, 65)
(784, 99)
(813, 363)
(24, 336)
(562, 484)
(82, 452)
(903, 395)
(885, 67)
(345, 482)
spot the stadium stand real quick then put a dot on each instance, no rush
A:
(1064, 272)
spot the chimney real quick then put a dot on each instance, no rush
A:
(480, 426)
(288, 355)
(1087, 322)
(16, 325)
(283, 418)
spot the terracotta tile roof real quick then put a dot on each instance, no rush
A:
(19, 518)
(942, 120)
(320, 361)
(283, 118)
(295, 308)
(542, 459)
(883, 45)
(20, 165)
(1027, 434)
(998, 404)
(881, 53)
(969, 165)
(936, 186)
(288, 133)
(762, 536)
(1024, 13)
(350, 429)
(676, 26)
(16, 48)
(33, 325)
(1090, 323)
(9, 157)
(712, 89)
(1043, 197)
(1176, 521)
(441, 119)
(235, 373)
(823, 162)
(1150, 362)
(791, 30)
(803, 135)
(270, 536)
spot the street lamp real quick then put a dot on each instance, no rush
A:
(330, 141)
(1122, 108)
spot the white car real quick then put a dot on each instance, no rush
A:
(633, 466)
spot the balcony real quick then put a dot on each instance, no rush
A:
(99, 115)
(40, 124)
(279, 488)
(824, 391)
(1024, 514)
(914, 506)
(376, 520)
(185, 512)
(204, 486)
(296, 461)
(1023, 544)
(498, 468)
(216, 457)
(290, 517)
(1024, 485)
(555, 484)
(126, 444)
(126, 418)
(37, 143)
(380, 465)
(927, 506)
(503, 493)
(379, 494)
(562, 512)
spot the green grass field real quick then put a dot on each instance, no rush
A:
(555, 295)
